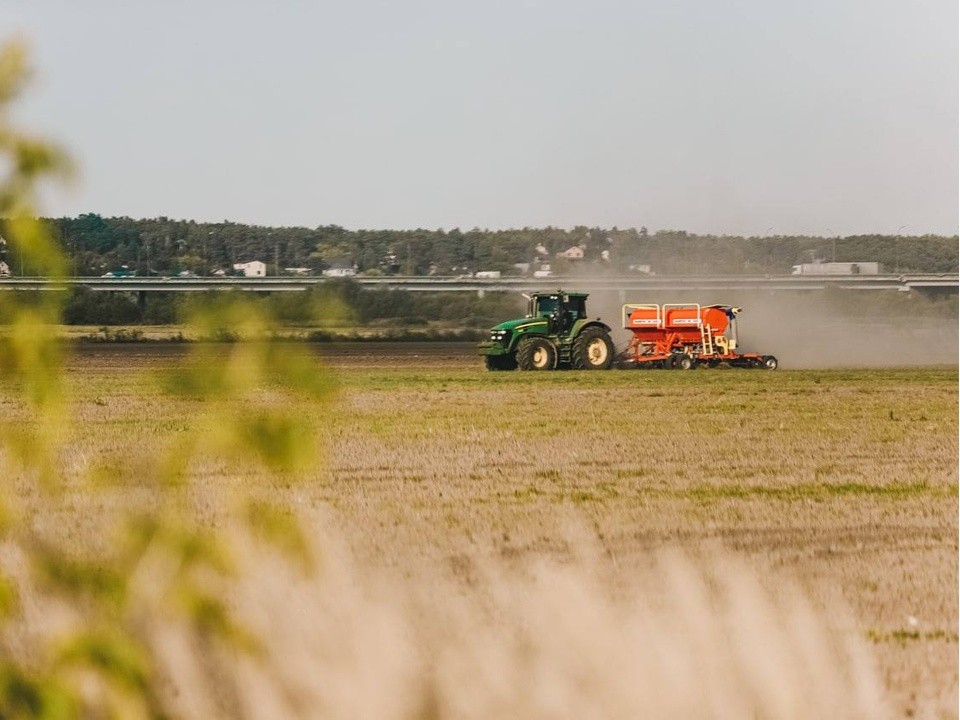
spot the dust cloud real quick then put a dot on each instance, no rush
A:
(816, 329)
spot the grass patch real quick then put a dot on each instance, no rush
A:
(902, 637)
(811, 491)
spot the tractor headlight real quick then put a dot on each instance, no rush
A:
(499, 335)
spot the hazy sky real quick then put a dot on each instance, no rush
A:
(749, 116)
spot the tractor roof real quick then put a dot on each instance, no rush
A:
(560, 292)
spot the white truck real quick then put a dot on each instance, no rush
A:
(838, 268)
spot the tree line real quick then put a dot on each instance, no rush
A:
(337, 304)
(94, 245)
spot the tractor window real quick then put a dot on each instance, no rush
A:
(546, 306)
(577, 307)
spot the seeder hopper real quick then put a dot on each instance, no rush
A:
(685, 335)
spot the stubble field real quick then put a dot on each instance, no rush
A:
(844, 482)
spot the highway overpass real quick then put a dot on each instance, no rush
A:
(930, 283)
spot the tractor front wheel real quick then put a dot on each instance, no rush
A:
(592, 350)
(536, 353)
(500, 362)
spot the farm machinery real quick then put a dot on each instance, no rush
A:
(684, 335)
(557, 333)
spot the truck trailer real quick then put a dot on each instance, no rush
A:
(838, 268)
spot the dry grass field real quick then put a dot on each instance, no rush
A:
(838, 487)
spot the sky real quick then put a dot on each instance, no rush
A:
(765, 117)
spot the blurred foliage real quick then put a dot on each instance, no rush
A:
(165, 567)
(29, 351)
(231, 381)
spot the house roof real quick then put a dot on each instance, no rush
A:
(340, 264)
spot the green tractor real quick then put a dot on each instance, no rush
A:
(556, 333)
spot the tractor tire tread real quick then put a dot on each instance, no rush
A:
(579, 353)
(527, 348)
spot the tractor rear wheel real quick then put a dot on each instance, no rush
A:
(536, 353)
(500, 362)
(592, 350)
(769, 362)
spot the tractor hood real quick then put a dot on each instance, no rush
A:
(511, 325)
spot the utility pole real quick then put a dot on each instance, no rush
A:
(896, 245)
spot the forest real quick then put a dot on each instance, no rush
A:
(95, 245)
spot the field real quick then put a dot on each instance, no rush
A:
(842, 482)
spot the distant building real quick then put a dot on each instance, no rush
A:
(543, 273)
(645, 269)
(541, 250)
(522, 267)
(298, 271)
(4, 268)
(254, 268)
(488, 275)
(572, 253)
(340, 268)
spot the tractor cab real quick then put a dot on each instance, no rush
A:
(560, 309)
(547, 304)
